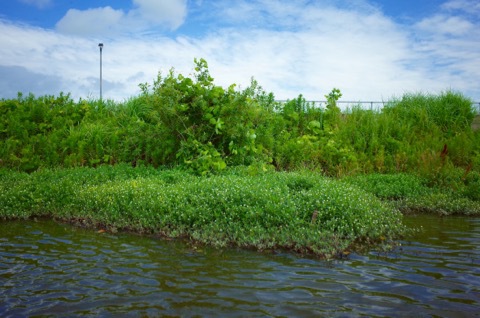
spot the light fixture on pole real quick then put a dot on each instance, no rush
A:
(100, 45)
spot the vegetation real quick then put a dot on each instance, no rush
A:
(412, 194)
(211, 163)
(191, 122)
(303, 212)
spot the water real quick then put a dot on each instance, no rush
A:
(58, 270)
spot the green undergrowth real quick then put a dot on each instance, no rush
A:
(305, 213)
(413, 194)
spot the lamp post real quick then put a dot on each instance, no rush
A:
(100, 45)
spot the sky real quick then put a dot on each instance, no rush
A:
(371, 50)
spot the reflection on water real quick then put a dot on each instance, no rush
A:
(58, 270)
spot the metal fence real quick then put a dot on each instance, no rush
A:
(371, 105)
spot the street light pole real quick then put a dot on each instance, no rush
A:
(100, 45)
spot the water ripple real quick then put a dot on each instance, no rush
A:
(51, 269)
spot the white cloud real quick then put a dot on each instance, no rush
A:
(361, 52)
(448, 45)
(67, 63)
(38, 3)
(169, 12)
(98, 21)
(468, 6)
(19, 79)
(313, 49)
(444, 24)
(107, 21)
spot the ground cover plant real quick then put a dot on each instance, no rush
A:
(411, 194)
(187, 157)
(307, 213)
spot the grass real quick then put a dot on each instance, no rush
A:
(305, 213)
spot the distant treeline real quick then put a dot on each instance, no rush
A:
(193, 123)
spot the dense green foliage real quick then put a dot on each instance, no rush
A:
(307, 213)
(193, 123)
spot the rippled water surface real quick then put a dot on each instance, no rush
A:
(53, 269)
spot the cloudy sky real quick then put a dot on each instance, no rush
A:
(369, 49)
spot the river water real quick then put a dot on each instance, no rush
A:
(50, 269)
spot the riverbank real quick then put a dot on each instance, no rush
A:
(301, 212)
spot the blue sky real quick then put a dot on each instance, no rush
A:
(369, 49)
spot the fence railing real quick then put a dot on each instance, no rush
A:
(372, 105)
